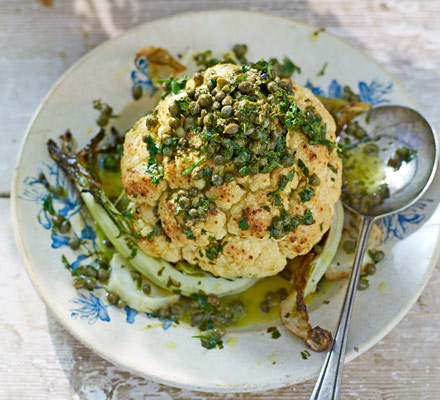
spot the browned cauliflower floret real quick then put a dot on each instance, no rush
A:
(236, 173)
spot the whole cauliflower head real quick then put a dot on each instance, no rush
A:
(235, 171)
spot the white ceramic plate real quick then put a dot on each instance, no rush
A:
(172, 356)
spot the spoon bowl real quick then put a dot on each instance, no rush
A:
(390, 128)
(393, 127)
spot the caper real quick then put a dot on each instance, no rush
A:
(191, 93)
(193, 192)
(216, 105)
(253, 169)
(363, 284)
(231, 129)
(228, 177)
(166, 139)
(183, 142)
(288, 160)
(168, 151)
(102, 120)
(227, 101)
(103, 274)
(318, 248)
(79, 283)
(273, 87)
(371, 148)
(189, 123)
(220, 96)
(370, 269)
(107, 109)
(245, 87)
(157, 229)
(112, 297)
(120, 304)
(237, 306)
(217, 179)
(198, 78)
(195, 109)
(269, 296)
(277, 223)
(219, 159)
(136, 276)
(110, 164)
(193, 213)
(378, 256)
(240, 50)
(265, 306)
(42, 177)
(213, 299)
(221, 82)
(59, 192)
(174, 123)
(197, 319)
(151, 121)
(282, 293)
(174, 109)
(286, 85)
(204, 100)
(90, 283)
(209, 120)
(74, 243)
(103, 262)
(146, 288)
(177, 310)
(314, 180)
(182, 193)
(349, 246)
(57, 219)
(227, 111)
(90, 271)
(277, 233)
(202, 212)
(65, 226)
(184, 203)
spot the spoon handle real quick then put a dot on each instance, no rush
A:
(329, 381)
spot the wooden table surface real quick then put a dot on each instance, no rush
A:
(40, 39)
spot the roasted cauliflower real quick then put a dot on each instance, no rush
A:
(235, 171)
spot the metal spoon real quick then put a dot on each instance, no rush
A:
(391, 127)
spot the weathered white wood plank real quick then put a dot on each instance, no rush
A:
(38, 43)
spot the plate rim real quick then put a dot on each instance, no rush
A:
(34, 277)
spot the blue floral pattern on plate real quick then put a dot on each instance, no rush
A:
(140, 76)
(90, 308)
(399, 225)
(374, 93)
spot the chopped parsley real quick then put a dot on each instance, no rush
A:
(307, 193)
(188, 232)
(213, 250)
(285, 69)
(274, 332)
(305, 355)
(48, 205)
(173, 86)
(332, 168)
(211, 339)
(243, 224)
(322, 71)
